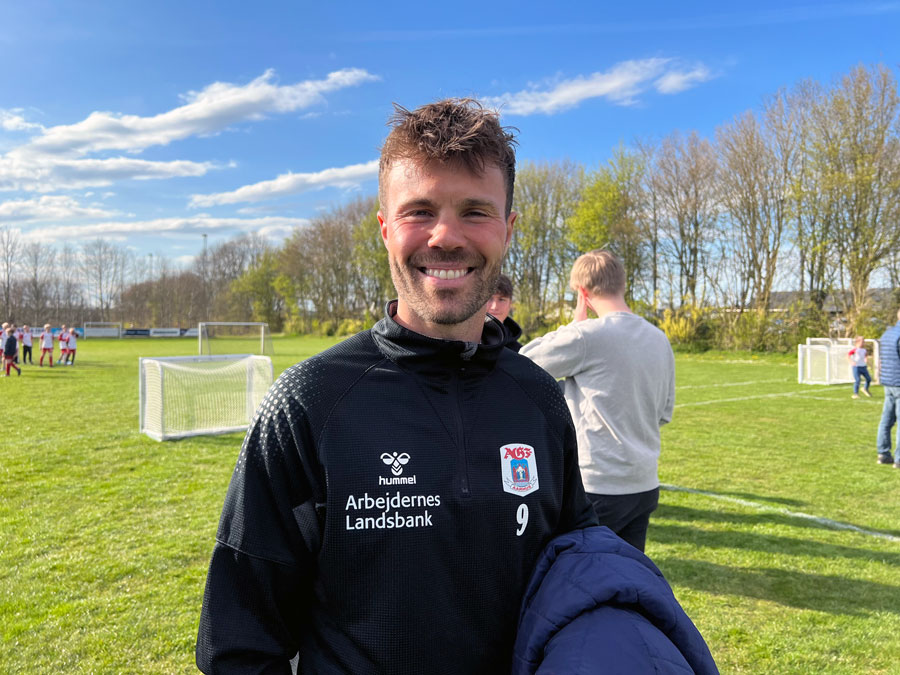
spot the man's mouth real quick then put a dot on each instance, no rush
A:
(445, 274)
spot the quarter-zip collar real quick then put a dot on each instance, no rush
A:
(420, 353)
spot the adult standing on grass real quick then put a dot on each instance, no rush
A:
(620, 388)
(889, 376)
(394, 492)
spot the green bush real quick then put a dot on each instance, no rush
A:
(689, 328)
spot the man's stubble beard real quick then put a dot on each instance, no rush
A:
(420, 302)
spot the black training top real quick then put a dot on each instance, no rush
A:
(388, 505)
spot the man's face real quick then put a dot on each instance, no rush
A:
(446, 232)
(498, 306)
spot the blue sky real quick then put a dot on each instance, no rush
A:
(152, 124)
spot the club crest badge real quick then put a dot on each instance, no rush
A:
(518, 467)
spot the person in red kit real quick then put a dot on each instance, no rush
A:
(46, 339)
(70, 347)
(63, 344)
(10, 350)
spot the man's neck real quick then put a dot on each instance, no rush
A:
(469, 330)
(603, 305)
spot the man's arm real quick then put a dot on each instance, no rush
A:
(577, 512)
(560, 352)
(260, 579)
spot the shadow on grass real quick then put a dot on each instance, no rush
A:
(802, 590)
(767, 543)
(687, 514)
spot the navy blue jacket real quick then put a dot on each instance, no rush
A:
(598, 605)
(889, 354)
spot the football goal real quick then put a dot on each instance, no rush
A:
(234, 337)
(184, 396)
(824, 361)
(102, 329)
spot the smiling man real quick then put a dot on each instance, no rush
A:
(394, 492)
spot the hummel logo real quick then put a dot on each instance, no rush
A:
(395, 461)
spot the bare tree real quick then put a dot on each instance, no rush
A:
(540, 255)
(856, 129)
(319, 259)
(758, 160)
(684, 181)
(9, 257)
(38, 260)
(103, 265)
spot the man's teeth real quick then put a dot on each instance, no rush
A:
(445, 274)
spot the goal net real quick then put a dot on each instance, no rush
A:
(200, 395)
(234, 337)
(821, 362)
(102, 329)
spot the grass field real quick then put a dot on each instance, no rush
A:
(106, 534)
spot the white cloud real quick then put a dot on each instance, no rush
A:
(58, 157)
(49, 207)
(39, 174)
(161, 226)
(207, 111)
(621, 84)
(676, 81)
(13, 120)
(291, 183)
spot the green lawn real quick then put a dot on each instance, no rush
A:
(106, 534)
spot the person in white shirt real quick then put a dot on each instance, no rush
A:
(46, 339)
(63, 340)
(70, 347)
(620, 388)
(859, 364)
(3, 336)
(26, 341)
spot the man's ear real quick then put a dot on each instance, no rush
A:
(383, 227)
(510, 223)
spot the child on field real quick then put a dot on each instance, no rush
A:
(63, 339)
(10, 349)
(46, 345)
(26, 344)
(3, 340)
(858, 357)
(17, 333)
(70, 347)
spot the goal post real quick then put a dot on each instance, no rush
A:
(825, 361)
(183, 396)
(102, 329)
(232, 337)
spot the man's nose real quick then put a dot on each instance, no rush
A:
(447, 233)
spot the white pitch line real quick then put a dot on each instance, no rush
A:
(827, 522)
(739, 398)
(811, 397)
(731, 384)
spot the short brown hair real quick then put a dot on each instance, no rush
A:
(504, 286)
(451, 131)
(599, 272)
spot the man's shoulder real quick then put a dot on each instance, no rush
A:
(331, 368)
(535, 382)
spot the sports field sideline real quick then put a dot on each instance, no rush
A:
(776, 528)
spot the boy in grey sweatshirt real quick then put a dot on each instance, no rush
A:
(620, 388)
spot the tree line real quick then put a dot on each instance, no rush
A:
(801, 194)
